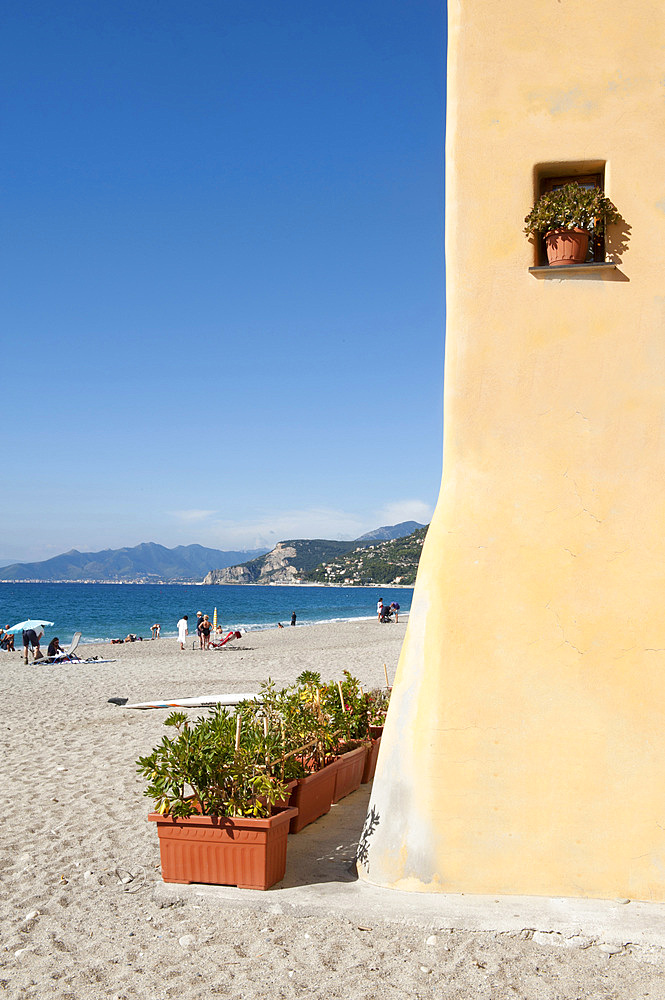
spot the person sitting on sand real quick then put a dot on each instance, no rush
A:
(7, 640)
(54, 648)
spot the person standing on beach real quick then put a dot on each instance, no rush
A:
(293, 617)
(204, 632)
(31, 637)
(183, 631)
(199, 619)
(379, 609)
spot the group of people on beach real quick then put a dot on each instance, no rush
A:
(387, 612)
(32, 638)
(203, 629)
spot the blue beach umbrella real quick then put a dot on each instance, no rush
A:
(29, 623)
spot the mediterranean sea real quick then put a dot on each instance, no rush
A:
(103, 611)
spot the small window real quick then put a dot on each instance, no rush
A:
(549, 180)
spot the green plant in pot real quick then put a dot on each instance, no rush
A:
(308, 726)
(214, 803)
(314, 741)
(379, 700)
(200, 771)
(566, 217)
(347, 707)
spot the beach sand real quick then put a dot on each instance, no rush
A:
(83, 910)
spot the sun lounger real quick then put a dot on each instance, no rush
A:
(218, 643)
(68, 654)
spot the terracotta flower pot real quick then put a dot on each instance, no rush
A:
(312, 796)
(566, 246)
(350, 767)
(370, 761)
(242, 851)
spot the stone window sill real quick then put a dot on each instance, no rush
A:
(546, 271)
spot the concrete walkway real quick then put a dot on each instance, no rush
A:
(321, 879)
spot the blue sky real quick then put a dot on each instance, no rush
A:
(222, 254)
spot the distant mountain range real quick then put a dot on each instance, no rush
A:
(299, 560)
(153, 563)
(389, 532)
(145, 563)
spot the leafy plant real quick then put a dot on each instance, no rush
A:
(267, 734)
(379, 699)
(239, 765)
(569, 207)
(199, 770)
(349, 714)
(307, 723)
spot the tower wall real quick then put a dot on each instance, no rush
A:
(524, 750)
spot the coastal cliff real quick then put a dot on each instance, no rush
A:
(277, 566)
(331, 562)
(288, 562)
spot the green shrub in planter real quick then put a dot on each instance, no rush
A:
(570, 207)
(199, 770)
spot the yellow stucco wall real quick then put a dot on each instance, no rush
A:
(525, 747)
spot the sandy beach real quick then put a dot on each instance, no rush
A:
(83, 914)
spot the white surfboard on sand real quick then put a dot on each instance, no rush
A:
(203, 701)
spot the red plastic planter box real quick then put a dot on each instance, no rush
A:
(242, 851)
(313, 796)
(370, 761)
(350, 767)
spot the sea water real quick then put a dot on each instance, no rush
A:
(103, 611)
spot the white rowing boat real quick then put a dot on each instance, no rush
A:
(203, 701)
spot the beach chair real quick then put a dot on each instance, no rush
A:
(68, 654)
(218, 643)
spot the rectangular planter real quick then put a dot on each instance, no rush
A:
(350, 767)
(370, 761)
(242, 851)
(313, 796)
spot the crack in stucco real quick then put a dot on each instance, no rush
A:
(566, 642)
(585, 510)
